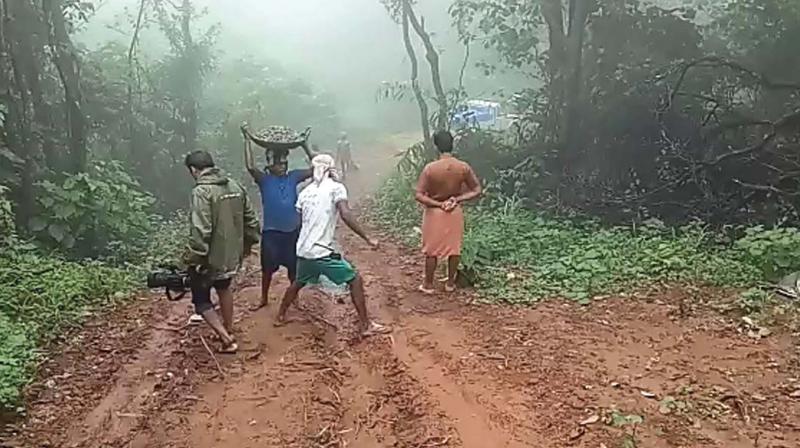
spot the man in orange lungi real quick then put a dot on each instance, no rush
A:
(443, 186)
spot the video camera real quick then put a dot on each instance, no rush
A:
(172, 279)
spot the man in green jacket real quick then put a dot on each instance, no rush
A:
(224, 227)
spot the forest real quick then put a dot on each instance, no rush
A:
(651, 142)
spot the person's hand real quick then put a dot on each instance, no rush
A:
(373, 243)
(244, 128)
(450, 205)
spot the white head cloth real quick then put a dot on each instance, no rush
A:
(324, 167)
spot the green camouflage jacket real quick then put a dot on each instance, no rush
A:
(224, 226)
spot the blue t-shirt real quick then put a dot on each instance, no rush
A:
(278, 199)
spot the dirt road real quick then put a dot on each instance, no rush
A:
(453, 374)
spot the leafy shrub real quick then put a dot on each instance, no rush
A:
(16, 358)
(6, 215)
(753, 301)
(527, 257)
(394, 201)
(42, 295)
(774, 251)
(166, 240)
(97, 213)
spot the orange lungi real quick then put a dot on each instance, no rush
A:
(442, 232)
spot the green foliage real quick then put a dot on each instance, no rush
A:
(753, 301)
(51, 294)
(16, 357)
(528, 257)
(166, 241)
(98, 213)
(620, 420)
(6, 215)
(41, 295)
(774, 251)
(394, 200)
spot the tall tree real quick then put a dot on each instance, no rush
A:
(432, 56)
(67, 63)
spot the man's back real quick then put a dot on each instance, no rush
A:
(223, 223)
(445, 178)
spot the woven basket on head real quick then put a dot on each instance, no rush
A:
(279, 138)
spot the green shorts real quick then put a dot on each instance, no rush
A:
(337, 270)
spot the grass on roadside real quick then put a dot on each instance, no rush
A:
(43, 295)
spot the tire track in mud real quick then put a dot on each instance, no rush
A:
(472, 421)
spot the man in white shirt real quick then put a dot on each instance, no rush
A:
(319, 204)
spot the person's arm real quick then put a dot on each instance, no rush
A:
(309, 153)
(306, 173)
(252, 227)
(474, 189)
(421, 194)
(200, 229)
(249, 161)
(349, 218)
(347, 215)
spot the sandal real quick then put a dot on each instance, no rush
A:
(375, 329)
(448, 288)
(229, 349)
(426, 291)
(278, 323)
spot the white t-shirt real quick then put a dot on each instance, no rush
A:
(317, 206)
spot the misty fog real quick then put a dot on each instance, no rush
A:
(346, 47)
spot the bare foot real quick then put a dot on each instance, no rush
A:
(449, 288)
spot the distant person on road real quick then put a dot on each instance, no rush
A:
(344, 156)
(442, 187)
(320, 204)
(281, 227)
(223, 228)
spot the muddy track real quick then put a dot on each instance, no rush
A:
(452, 374)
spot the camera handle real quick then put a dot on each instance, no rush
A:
(174, 298)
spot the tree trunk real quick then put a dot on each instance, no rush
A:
(189, 106)
(553, 14)
(442, 119)
(29, 34)
(565, 70)
(18, 118)
(579, 12)
(67, 64)
(423, 106)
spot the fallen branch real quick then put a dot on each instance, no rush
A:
(214, 357)
(175, 329)
(431, 442)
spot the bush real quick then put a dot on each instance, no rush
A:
(774, 251)
(16, 359)
(42, 295)
(99, 213)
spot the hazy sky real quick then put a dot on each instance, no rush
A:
(344, 46)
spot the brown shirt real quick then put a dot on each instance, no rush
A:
(446, 178)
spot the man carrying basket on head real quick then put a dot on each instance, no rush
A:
(281, 226)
